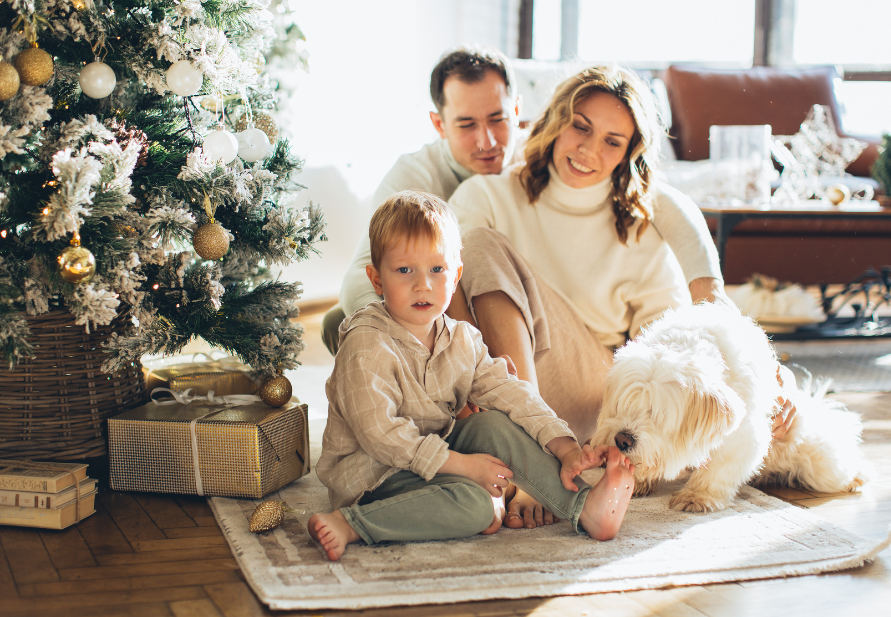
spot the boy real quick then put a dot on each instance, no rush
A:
(397, 464)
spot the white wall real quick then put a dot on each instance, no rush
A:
(366, 101)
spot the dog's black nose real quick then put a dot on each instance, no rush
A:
(625, 441)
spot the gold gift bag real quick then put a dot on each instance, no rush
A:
(207, 448)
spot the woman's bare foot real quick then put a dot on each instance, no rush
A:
(524, 511)
(333, 532)
(607, 501)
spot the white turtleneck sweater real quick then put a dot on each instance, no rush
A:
(568, 237)
(433, 169)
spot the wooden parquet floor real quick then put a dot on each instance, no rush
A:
(145, 554)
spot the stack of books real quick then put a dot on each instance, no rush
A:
(46, 495)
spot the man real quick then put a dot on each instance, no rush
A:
(477, 118)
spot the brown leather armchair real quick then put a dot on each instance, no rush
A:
(781, 98)
(807, 251)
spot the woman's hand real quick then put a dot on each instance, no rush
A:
(782, 421)
(709, 290)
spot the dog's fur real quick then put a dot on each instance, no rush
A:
(698, 388)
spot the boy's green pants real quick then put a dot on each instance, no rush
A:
(406, 507)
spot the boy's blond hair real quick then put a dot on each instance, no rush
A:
(414, 214)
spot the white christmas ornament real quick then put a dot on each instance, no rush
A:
(253, 145)
(184, 79)
(97, 80)
(221, 145)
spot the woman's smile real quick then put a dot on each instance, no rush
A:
(579, 167)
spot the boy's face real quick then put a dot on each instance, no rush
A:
(417, 280)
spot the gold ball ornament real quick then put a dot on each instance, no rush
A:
(275, 391)
(268, 515)
(9, 81)
(211, 241)
(838, 194)
(262, 121)
(35, 66)
(77, 264)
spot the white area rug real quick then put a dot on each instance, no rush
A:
(859, 365)
(760, 537)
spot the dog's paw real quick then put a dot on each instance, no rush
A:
(686, 500)
(642, 488)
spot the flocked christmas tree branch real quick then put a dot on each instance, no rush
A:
(114, 164)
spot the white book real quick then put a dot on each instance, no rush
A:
(31, 499)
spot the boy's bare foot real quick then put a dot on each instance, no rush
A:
(524, 511)
(498, 519)
(333, 532)
(607, 501)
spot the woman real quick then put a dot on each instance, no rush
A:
(561, 263)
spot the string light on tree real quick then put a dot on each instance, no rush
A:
(97, 80)
(76, 263)
(184, 79)
(9, 81)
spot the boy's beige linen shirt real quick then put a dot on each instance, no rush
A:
(392, 402)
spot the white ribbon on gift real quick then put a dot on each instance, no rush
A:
(184, 398)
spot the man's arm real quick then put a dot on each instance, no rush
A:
(356, 290)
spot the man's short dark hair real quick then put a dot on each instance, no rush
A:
(470, 65)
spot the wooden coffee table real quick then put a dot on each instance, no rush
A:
(729, 216)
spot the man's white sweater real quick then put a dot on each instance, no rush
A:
(568, 238)
(433, 169)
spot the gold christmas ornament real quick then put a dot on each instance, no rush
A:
(268, 515)
(76, 263)
(262, 121)
(34, 65)
(9, 81)
(211, 241)
(275, 391)
(838, 194)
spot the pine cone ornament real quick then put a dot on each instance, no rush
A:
(124, 135)
(268, 515)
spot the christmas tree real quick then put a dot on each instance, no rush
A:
(142, 177)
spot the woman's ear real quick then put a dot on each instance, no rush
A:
(375, 277)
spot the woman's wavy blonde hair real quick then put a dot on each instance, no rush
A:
(633, 177)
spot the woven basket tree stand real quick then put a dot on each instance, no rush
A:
(55, 405)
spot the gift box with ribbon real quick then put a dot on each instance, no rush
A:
(224, 375)
(226, 446)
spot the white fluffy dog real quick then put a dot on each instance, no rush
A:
(698, 389)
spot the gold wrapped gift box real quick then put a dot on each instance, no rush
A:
(224, 376)
(205, 448)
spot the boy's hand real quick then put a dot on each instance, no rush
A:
(577, 460)
(484, 469)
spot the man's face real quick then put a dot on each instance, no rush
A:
(479, 121)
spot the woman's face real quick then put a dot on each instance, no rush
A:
(590, 148)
